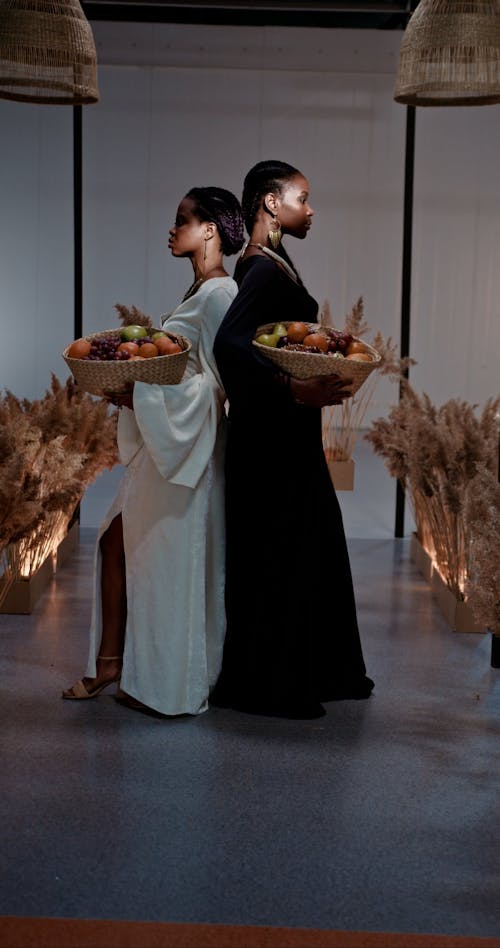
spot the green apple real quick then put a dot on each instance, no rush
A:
(129, 333)
(268, 339)
(279, 329)
(158, 335)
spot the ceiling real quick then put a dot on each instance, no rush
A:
(350, 14)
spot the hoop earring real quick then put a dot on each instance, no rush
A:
(275, 234)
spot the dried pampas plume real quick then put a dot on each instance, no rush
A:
(482, 515)
(342, 423)
(438, 455)
(131, 316)
(50, 450)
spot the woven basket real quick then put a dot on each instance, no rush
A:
(306, 365)
(47, 53)
(111, 378)
(450, 54)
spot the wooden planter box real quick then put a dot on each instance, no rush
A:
(458, 613)
(341, 473)
(420, 557)
(25, 593)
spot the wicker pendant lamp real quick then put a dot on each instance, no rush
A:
(47, 53)
(450, 54)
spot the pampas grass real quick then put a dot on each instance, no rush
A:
(50, 450)
(131, 316)
(482, 515)
(438, 454)
(342, 423)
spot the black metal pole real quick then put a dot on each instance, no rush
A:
(77, 238)
(77, 221)
(406, 281)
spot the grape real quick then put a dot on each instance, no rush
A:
(103, 348)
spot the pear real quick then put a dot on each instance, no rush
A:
(268, 339)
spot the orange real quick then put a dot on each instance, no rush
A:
(355, 346)
(295, 332)
(131, 347)
(148, 350)
(166, 346)
(317, 339)
(359, 357)
(79, 349)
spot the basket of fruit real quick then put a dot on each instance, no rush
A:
(105, 363)
(304, 350)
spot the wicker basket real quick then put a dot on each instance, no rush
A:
(305, 365)
(111, 378)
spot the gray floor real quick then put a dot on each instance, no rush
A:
(382, 816)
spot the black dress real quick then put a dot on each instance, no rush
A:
(292, 638)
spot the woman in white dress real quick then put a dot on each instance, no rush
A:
(158, 618)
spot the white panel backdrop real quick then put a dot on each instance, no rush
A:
(189, 105)
(36, 244)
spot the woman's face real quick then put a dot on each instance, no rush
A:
(294, 211)
(188, 234)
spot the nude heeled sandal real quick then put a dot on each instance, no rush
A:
(80, 693)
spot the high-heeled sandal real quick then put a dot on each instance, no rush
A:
(80, 693)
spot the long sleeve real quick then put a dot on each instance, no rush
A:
(178, 423)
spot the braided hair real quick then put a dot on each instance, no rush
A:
(264, 177)
(223, 209)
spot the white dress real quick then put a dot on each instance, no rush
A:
(171, 498)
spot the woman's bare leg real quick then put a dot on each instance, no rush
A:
(113, 590)
(114, 608)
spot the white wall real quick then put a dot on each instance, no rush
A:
(190, 105)
(36, 244)
(456, 256)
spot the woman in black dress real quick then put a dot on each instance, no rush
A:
(292, 638)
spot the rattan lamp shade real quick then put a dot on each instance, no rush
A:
(450, 54)
(47, 53)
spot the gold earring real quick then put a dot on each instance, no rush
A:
(275, 233)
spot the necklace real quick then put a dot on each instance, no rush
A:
(275, 256)
(197, 283)
(192, 289)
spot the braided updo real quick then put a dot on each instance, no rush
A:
(224, 210)
(264, 177)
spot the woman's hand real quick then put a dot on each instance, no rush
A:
(321, 390)
(124, 400)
